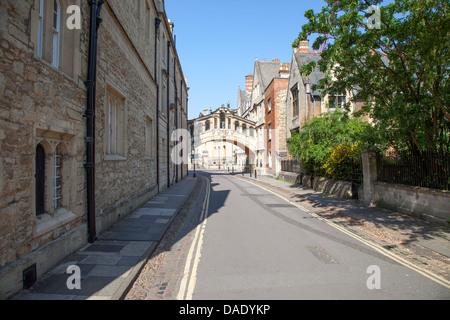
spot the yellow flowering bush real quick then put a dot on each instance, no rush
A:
(338, 165)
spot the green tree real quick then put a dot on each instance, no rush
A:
(401, 69)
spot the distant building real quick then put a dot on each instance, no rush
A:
(274, 74)
(275, 97)
(245, 96)
(222, 140)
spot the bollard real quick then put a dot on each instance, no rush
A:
(255, 174)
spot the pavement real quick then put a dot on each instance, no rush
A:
(109, 266)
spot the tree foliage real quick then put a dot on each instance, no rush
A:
(318, 136)
(401, 70)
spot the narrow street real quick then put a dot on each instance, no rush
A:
(245, 242)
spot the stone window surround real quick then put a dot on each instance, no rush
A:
(295, 103)
(69, 62)
(121, 153)
(149, 137)
(53, 218)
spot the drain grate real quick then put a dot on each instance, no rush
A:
(29, 276)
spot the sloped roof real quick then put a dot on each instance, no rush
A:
(268, 70)
(316, 75)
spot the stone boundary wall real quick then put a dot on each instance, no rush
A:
(428, 204)
(341, 189)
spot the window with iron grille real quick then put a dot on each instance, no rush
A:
(57, 178)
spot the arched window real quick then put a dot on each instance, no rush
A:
(236, 125)
(244, 128)
(56, 27)
(40, 180)
(207, 125)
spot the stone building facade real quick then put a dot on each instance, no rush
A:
(141, 97)
(304, 101)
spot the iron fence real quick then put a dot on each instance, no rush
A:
(427, 169)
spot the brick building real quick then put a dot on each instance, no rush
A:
(140, 98)
(275, 97)
(266, 74)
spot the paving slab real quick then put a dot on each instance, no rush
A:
(109, 266)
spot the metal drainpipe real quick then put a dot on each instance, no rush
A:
(95, 22)
(157, 23)
(176, 112)
(168, 114)
(181, 99)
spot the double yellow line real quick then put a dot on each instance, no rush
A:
(370, 244)
(189, 279)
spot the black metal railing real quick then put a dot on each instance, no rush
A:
(429, 169)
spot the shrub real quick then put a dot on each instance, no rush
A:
(343, 157)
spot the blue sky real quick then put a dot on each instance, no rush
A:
(218, 40)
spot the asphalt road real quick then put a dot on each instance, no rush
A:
(251, 244)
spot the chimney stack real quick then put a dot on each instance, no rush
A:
(284, 71)
(249, 83)
(303, 46)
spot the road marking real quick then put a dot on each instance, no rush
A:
(370, 244)
(189, 279)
